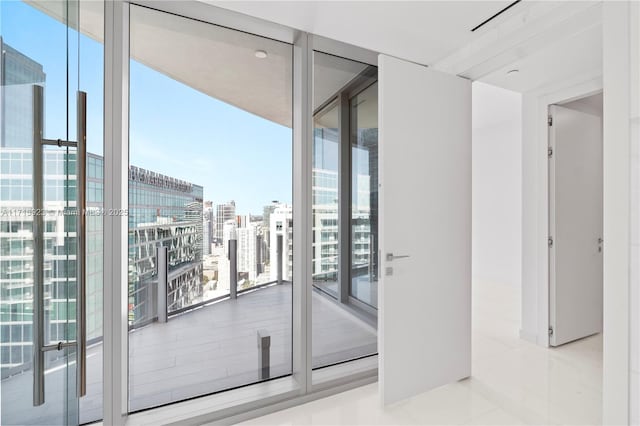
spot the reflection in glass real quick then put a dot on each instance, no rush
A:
(344, 210)
(364, 195)
(325, 200)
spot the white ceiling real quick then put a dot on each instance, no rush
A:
(217, 61)
(211, 59)
(420, 31)
(547, 41)
(564, 44)
(558, 61)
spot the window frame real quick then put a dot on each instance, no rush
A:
(251, 400)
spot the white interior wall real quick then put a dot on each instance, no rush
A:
(497, 188)
(618, 244)
(635, 213)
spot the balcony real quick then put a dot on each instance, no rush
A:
(208, 349)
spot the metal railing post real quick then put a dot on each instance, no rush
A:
(163, 281)
(233, 268)
(279, 251)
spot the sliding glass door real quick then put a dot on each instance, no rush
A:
(43, 245)
(210, 208)
(50, 235)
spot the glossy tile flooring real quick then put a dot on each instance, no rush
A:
(514, 382)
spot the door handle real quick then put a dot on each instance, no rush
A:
(38, 249)
(39, 347)
(390, 256)
(81, 280)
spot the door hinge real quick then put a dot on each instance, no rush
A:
(550, 331)
(549, 152)
(550, 241)
(550, 120)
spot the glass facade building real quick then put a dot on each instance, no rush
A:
(18, 73)
(163, 212)
(16, 253)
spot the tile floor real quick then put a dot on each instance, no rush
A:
(514, 382)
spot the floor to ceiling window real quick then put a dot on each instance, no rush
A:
(344, 210)
(210, 208)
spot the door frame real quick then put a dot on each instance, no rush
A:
(552, 145)
(535, 255)
(614, 79)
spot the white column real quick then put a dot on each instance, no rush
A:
(617, 179)
(116, 160)
(302, 141)
(635, 214)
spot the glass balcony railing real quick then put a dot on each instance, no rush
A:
(185, 286)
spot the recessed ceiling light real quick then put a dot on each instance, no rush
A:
(261, 54)
(512, 72)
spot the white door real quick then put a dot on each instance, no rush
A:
(575, 225)
(425, 214)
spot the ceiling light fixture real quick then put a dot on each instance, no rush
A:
(261, 54)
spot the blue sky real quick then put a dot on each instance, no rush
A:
(174, 129)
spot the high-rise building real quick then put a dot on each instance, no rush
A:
(163, 211)
(325, 225)
(281, 225)
(18, 74)
(228, 233)
(207, 227)
(59, 262)
(247, 250)
(266, 223)
(224, 213)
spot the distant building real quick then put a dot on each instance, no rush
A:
(163, 211)
(281, 225)
(247, 251)
(266, 223)
(325, 226)
(224, 213)
(228, 233)
(243, 220)
(18, 74)
(208, 225)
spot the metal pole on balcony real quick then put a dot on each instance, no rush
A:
(233, 268)
(264, 354)
(279, 251)
(163, 285)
